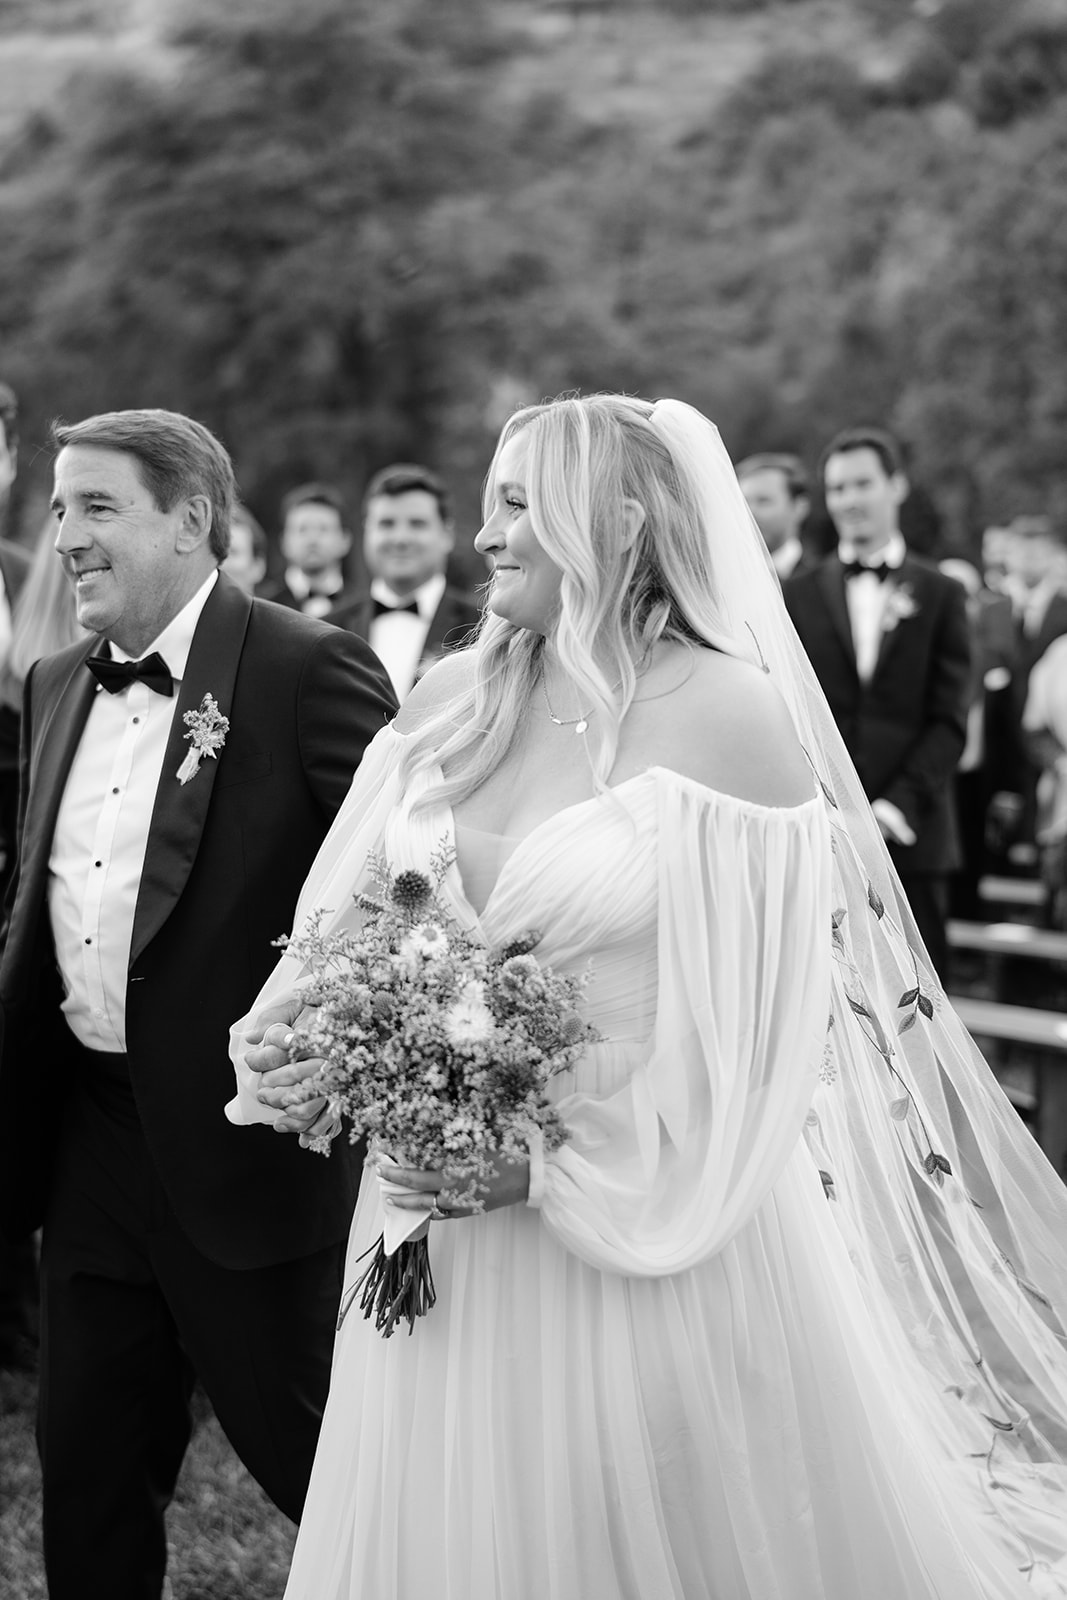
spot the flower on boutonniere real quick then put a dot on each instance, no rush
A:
(207, 730)
(900, 604)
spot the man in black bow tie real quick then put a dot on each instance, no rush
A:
(179, 772)
(887, 635)
(314, 542)
(411, 614)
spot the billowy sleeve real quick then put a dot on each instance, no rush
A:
(338, 873)
(660, 1175)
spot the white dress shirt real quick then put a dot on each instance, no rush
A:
(398, 640)
(313, 602)
(102, 833)
(1030, 604)
(866, 599)
(787, 556)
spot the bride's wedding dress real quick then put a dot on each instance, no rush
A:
(674, 1374)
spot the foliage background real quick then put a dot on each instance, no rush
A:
(347, 231)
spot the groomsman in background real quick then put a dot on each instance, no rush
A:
(776, 488)
(315, 541)
(246, 560)
(18, 1260)
(888, 637)
(181, 767)
(411, 614)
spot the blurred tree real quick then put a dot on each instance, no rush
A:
(242, 238)
(344, 232)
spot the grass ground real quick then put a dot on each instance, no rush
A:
(227, 1542)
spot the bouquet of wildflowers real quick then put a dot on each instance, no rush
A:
(437, 1049)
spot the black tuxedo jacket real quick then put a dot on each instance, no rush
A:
(227, 854)
(905, 728)
(15, 566)
(279, 592)
(453, 620)
(1029, 648)
(15, 563)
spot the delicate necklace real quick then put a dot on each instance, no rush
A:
(579, 724)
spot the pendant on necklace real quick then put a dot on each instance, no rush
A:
(581, 725)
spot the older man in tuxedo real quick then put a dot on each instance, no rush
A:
(411, 614)
(180, 771)
(887, 635)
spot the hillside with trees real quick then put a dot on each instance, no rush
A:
(347, 231)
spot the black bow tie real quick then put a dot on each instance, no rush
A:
(381, 607)
(118, 675)
(852, 569)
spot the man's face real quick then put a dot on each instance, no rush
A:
(405, 540)
(779, 515)
(1033, 557)
(314, 538)
(996, 552)
(123, 554)
(863, 499)
(241, 563)
(8, 466)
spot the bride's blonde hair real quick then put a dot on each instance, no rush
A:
(619, 594)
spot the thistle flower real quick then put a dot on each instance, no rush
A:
(411, 890)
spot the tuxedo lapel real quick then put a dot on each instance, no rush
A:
(181, 809)
(362, 617)
(831, 581)
(910, 578)
(446, 628)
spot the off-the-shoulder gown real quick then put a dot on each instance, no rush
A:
(659, 1379)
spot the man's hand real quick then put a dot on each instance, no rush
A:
(893, 823)
(271, 1037)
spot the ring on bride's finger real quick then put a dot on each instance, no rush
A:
(435, 1210)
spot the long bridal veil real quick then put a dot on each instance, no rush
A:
(955, 1224)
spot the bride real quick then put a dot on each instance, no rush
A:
(783, 1319)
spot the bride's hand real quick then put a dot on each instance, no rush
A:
(437, 1192)
(269, 1056)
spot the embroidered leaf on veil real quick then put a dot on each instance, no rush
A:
(935, 1165)
(874, 900)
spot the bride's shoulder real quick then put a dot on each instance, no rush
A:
(448, 679)
(728, 728)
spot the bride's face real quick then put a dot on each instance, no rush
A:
(526, 580)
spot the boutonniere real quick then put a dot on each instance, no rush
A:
(207, 730)
(900, 604)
